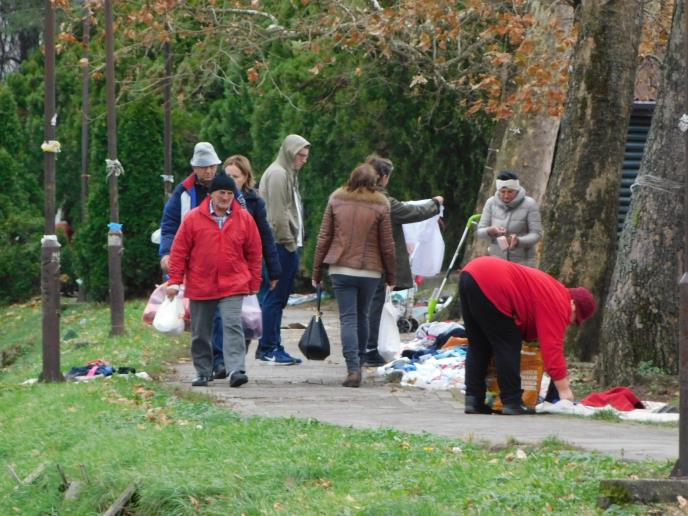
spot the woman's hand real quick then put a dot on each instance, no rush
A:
(495, 231)
(273, 284)
(564, 389)
(513, 242)
(315, 283)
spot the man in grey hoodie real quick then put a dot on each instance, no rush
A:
(279, 187)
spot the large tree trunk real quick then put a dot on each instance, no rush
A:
(642, 309)
(579, 212)
(524, 143)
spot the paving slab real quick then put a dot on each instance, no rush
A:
(313, 390)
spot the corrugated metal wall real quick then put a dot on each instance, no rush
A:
(638, 130)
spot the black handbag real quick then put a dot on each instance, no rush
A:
(314, 343)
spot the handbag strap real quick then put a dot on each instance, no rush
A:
(318, 296)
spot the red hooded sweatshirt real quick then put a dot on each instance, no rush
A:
(539, 305)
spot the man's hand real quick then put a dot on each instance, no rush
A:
(165, 263)
(172, 291)
(439, 199)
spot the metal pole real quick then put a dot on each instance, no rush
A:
(115, 232)
(50, 247)
(168, 116)
(683, 288)
(85, 112)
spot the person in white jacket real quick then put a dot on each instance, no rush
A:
(511, 222)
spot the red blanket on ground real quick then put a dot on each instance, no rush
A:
(621, 398)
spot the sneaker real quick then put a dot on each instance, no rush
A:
(237, 379)
(276, 358)
(284, 353)
(373, 359)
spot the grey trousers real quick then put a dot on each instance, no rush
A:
(234, 349)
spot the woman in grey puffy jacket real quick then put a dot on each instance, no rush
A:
(511, 222)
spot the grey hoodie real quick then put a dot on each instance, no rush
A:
(279, 187)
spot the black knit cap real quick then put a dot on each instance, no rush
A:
(222, 181)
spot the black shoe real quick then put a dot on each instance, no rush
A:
(517, 410)
(220, 373)
(373, 359)
(476, 406)
(201, 381)
(237, 379)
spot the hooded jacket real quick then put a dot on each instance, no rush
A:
(216, 263)
(279, 187)
(520, 217)
(356, 232)
(539, 305)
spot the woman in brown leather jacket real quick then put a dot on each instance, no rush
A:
(356, 242)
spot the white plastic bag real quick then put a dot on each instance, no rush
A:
(388, 340)
(427, 246)
(251, 318)
(170, 317)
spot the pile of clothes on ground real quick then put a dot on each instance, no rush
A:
(436, 359)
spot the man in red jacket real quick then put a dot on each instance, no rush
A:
(218, 252)
(503, 304)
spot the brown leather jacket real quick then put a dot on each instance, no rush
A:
(356, 232)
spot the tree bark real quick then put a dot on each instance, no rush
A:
(642, 309)
(579, 212)
(525, 145)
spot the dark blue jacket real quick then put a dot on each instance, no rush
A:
(256, 207)
(185, 197)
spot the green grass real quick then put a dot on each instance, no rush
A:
(188, 455)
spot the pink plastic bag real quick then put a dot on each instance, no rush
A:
(251, 318)
(156, 299)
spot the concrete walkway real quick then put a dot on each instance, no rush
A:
(313, 390)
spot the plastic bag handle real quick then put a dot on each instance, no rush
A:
(318, 295)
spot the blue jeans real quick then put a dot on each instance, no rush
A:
(275, 300)
(354, 295)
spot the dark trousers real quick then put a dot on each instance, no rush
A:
(490, 333)
(376, 306)
(353, 294)
(275, 300)
(218, 352)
